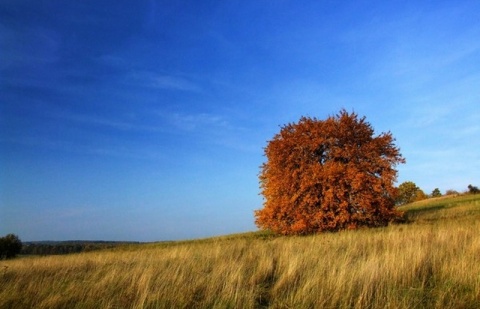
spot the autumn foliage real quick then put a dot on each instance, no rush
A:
(328, 175)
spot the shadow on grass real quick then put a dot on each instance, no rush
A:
(416, 211)
(412, 215)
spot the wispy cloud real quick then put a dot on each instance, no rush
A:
(214, 129)
(171, 82)
(190, 122)
(121, 125)
(427, 114)
(93, 120)
(443, 104)
(412, 49)
(105, 149)
(42, 48)
(180, 121)
(93, 135)
(165, 81)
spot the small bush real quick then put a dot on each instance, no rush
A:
(451, 192)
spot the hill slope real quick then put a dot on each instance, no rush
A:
(430, 263)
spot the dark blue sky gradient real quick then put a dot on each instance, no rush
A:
(146, 120)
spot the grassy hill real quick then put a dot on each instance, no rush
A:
(431, 262)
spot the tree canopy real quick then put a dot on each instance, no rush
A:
(409, 192)
(436, 192)
(328, 175)
(473, 189)
(10, 246)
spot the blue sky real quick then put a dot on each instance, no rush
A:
(146, 120)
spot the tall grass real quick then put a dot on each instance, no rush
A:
(430, 263)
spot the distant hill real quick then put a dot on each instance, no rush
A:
(49, 247)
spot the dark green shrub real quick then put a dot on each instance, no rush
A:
(10, 246)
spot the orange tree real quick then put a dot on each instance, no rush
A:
(328, 175)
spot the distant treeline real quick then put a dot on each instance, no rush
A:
(67, 247)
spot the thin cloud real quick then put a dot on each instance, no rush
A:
(98, 121)
(190, 122)
(427, 115)
(445, 103)
(94, 149)
(105, 122)
(43, 48)
(214, 129)
(166, 82)
(170, 82)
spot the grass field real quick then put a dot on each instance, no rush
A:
(432, 262)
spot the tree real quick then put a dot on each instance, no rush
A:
(420, 195)
(436, 193)
(473, 189)
(10, 246)
(408, 192)
(328, 175)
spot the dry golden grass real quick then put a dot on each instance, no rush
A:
(430, 263)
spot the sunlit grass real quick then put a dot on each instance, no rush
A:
(429, 263)
(466, 207)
